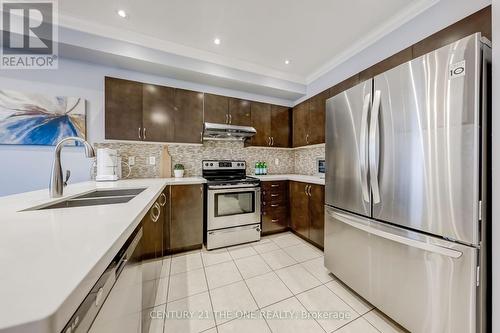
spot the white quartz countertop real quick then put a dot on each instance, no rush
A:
(50, 259)
(294, 177)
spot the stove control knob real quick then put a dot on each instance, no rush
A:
(211, 164)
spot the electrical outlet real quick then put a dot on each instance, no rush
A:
(276, 161)
(152, 160)
(131, 160)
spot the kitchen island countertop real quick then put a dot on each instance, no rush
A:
(51, 258)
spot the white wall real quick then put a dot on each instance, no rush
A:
(25, 168)
(441, 15)
(496, 167)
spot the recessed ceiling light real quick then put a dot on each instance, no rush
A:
(217, 41)
(287, 62)
(122, 13)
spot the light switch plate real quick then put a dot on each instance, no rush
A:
(131, 160)
(152, 160)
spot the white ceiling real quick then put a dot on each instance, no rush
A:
(256, 35)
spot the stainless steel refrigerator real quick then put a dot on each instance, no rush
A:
(407, 188)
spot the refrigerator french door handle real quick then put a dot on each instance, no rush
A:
(372, 151)
(363, 148)
(361, 225)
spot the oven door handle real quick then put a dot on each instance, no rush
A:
(224, 187)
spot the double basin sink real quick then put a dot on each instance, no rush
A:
(95, 198)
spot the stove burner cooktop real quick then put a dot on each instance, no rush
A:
(222, 172)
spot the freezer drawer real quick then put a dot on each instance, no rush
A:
(424, 283)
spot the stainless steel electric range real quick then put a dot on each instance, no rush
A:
(232, 204)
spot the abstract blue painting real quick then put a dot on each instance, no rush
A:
(35, 119)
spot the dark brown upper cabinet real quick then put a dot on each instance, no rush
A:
(227, 110)
(280, 126)
(123, 109)
(300, 130)
(188, 117)
(309, 121)
(216, 109)
(261, 121)
(317, 106)
(239, 112)
(158, 113)
(146, 112)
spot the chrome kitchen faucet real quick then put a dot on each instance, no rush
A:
(56, 179)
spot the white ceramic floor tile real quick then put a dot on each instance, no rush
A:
(161, 293)
(252, 266)
(267, 289)
(297, 279)
(295, 322)
(222, 274)
(242, 251)
(165, 268)
(317, 268)
(151, 269)
(214, 257)
(157, 319)
(230, 301)
(188, 262)
(278, 259)
(352, 299)
(265, 247)
(200, 316)
(359, 325)
(186, 284)
(246, 324)
(287, 240)
(303, 252)
(126, 324)
(382, 322)
(322, 301)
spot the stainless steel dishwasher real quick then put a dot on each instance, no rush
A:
(114, 303)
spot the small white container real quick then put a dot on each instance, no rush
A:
(179, 173)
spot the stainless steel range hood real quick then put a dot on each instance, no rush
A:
(212, 131)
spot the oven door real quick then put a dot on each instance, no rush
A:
(232, 206)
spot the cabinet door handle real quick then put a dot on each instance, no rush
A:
(230, 118)
(275, 220)
(227, 119)
(307, 138)
(201, 136)
(275, 185)
(272, 141)
(274, 205)
(139, 133)
(274, 195)
(163, 199)
(201, 190)
(156, 216)
(305, 189)
(309, 190)
(144, 133)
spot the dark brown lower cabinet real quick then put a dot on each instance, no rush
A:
(299, 208)
(307, 212)
(152, 254)
(274, 206)
(317, 214)
(186, 217)
(152, 238)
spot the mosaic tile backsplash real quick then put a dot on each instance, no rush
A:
(279, 161)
